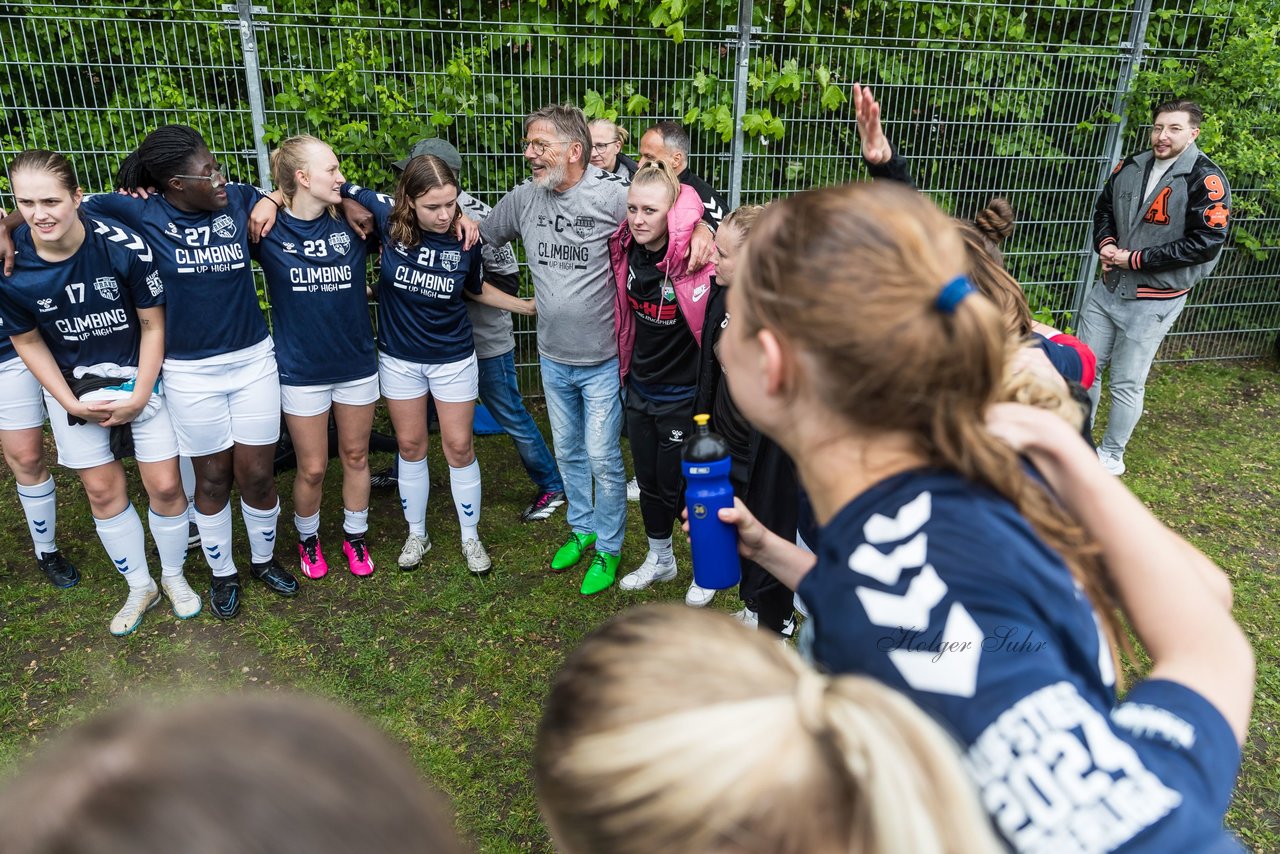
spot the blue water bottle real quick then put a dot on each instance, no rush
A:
(707, 489)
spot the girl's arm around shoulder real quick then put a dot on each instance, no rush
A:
(1176, 599)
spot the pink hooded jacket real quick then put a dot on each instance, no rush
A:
(693, 290)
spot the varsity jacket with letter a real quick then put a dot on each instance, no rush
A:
(1176, 234)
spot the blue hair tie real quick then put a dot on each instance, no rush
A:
(951, 295)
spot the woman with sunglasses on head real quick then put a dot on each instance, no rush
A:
(426, 346)
(315, 270)
(945, 569)
(220, 367)
(84, 308)
(607, 140)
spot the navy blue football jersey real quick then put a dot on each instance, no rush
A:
(421, 317)
(315, 272)
(84, 306)
(940, 589)
(212, 306)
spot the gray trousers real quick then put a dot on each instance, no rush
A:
(1125, 334)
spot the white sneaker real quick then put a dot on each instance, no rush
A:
(698, 597)
(748, 618)
(1114, 465)
(139, 602)
(414, 548)
(633, 490)
(477, 558)
(186, 604)
(648, 572)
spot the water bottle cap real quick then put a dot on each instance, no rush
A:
(701, 419)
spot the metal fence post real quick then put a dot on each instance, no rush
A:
(1113, 147)
(244, 13)
(742, 47)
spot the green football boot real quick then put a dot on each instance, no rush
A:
(600, 574)
(571, 552)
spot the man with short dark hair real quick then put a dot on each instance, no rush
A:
(1159, 227)
(669, 142)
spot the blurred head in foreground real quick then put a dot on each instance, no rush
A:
(226, 774)
(678, 731)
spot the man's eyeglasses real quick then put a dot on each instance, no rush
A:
(540, 146)
(601, 146)
(216, 177)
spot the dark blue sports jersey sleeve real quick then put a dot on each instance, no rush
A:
(475, 274)
(137, 261)
(127, 209)
(379, 204)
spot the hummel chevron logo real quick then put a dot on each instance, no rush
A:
(268, 535)
(119, 235)
(214, 552)
(41, 526)
(466, 509)
(122, 564)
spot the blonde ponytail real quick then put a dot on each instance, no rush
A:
(679, 731)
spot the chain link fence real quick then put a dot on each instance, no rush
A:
(983, 98)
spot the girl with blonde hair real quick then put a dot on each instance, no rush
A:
(315, 264)
(676, 731)
(944, 569)
(659, 310)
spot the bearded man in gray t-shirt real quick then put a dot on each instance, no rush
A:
(564, 215)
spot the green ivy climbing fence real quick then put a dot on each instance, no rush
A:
(1032, 100)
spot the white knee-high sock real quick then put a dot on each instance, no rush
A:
(40, 505)
(355, 523)
(308, 526)
(415, 487)
(465, 483)
(215, 540)
(170, 534)
(261, 528)
(123, 538)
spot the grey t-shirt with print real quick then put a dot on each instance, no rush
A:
(490, 327)
(566, 242)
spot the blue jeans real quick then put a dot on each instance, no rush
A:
(1126, 334)
(585, 406)
(500, 394)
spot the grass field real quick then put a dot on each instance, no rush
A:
(455, 667)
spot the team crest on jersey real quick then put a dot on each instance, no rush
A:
(107, 288)
(450, 259)
(668, 292)
(154, 284)
(583, 226)
(340, 242)
(45, 304)
(224, 226)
